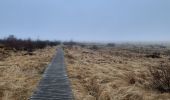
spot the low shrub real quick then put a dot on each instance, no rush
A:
(154, 55)
(94, 47)
(167, 52)
(160, 78)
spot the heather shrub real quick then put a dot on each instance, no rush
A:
(160, 78)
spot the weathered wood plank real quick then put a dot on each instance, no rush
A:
(54, 84)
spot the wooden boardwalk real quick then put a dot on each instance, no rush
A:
(54, 84)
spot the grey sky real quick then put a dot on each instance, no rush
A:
(86, 20)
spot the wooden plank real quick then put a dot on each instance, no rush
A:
(54, 84)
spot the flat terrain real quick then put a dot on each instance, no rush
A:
(121, 72)
(118, 73)
(20, 72)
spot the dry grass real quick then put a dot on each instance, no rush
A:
(112, 74)
(21, 72)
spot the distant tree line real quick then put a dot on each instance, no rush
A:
(13, 43)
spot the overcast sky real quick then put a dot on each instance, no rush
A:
(86, 20)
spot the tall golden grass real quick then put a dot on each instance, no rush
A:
(21, 72)
(113, 74)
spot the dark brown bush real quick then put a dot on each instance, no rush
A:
(154, 55)
(160, 78)
(94, 47)
(167, 52)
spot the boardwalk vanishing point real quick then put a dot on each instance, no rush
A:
(54, 84)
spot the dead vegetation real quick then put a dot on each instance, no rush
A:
(22, 62)
(21, 72)
(161, 78)
(154, 55)
(118, 73)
